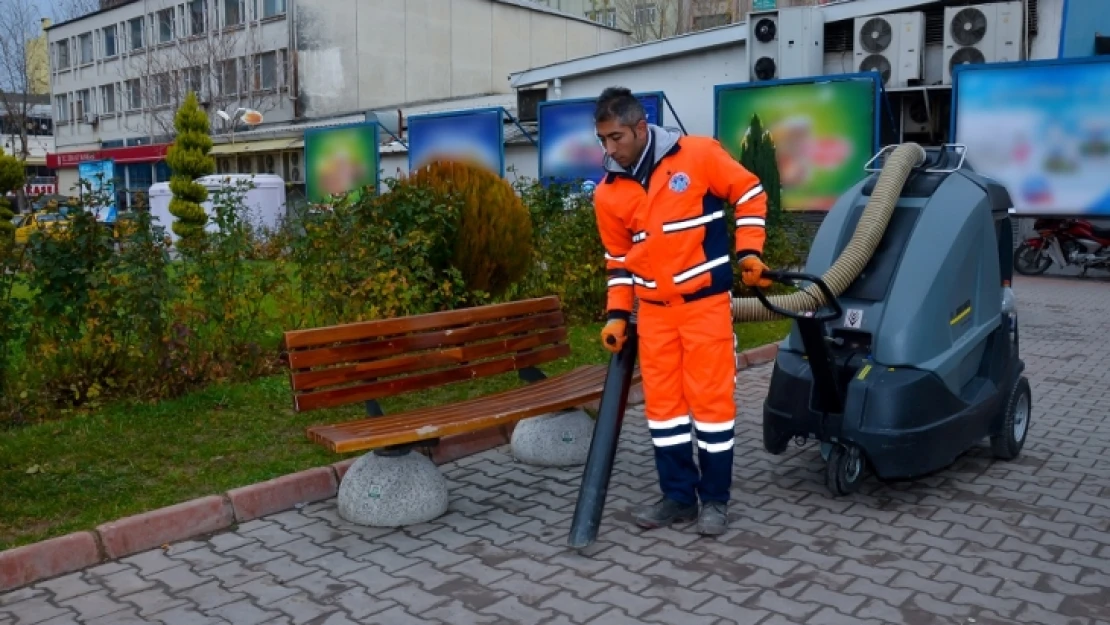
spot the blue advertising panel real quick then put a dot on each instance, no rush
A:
(477, 136)
(569, 150)
(100, 176)
(1041, 129)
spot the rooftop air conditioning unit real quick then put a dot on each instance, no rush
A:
(891, 44)
(981, 33)
(762, 46)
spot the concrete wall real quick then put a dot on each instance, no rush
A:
(361, 54)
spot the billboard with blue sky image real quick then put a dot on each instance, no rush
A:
(1040, 128)
(477, 136)
(569, 150)
(100, 176)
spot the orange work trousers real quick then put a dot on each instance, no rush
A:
(688, 364)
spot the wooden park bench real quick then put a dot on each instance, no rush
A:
(368, 361)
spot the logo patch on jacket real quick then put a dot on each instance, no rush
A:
(680, 182)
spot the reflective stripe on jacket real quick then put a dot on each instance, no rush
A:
(669, 243)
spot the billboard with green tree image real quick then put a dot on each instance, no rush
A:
(825, 130)
(341, 160)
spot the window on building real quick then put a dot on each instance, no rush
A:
(61, 108)
(701, 22)
(607, 17)
(140, 176)
(229, 78)
(61, 51)
(85, 48)
(134, 93)
(163, 89)
(110, 41)
(198, 16)
(270, 8)
(135, 28)
(165, 25)
(233, 13)
(644, 14)
(108, 99)
(265, 71)
(81, 105)
(193, 78)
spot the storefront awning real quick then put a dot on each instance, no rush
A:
(253, 147)
(120, 156)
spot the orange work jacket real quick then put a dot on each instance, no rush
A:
(667, 242)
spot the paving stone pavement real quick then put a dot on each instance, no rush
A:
(982, 542)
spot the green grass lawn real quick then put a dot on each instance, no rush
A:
(127, 458)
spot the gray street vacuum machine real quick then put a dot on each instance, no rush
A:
(903, 353)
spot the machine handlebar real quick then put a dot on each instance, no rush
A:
(789, 278)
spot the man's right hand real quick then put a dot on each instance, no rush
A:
(613, 335)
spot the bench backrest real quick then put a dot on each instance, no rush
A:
(357, 362)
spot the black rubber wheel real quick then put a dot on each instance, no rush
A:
(845, 470)
(1007, 444)
(1031, 262)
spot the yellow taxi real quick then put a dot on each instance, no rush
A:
(25, 225)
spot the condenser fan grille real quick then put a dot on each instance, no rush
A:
(875, 35)
(968, 27)
(765, 30)
(877, 63)
(765, 68)
(966, 56)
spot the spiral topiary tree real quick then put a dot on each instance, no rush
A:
(188, 159)
(493, 245)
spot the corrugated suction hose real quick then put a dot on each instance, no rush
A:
(872, 224)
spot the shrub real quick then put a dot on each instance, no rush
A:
(567, 254)
(492, 246)
(379, 256)
(97, 314)
(188, 159)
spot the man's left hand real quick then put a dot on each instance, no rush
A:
(751, 272)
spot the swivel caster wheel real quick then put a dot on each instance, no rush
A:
(845, 470)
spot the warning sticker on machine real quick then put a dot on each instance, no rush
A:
(853, 318)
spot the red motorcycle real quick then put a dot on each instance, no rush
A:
(1063, 242)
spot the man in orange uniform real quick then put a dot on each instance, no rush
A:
(661, 212)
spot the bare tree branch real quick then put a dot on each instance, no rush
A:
(19, 24)
(65, 10)
(648, 20)
(227, 69)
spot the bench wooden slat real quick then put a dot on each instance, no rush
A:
(372, 370)
(375, 390)
(567, 391)
(450, 337)
(574, 382)
(316, 337)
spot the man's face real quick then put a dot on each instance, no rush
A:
(623, 143)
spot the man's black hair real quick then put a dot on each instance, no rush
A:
(619, 103)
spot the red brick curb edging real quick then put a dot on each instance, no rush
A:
(22, 566)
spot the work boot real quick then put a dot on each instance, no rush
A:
(713, 519)
(663, 513)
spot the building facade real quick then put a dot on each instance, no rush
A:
(119, 74)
